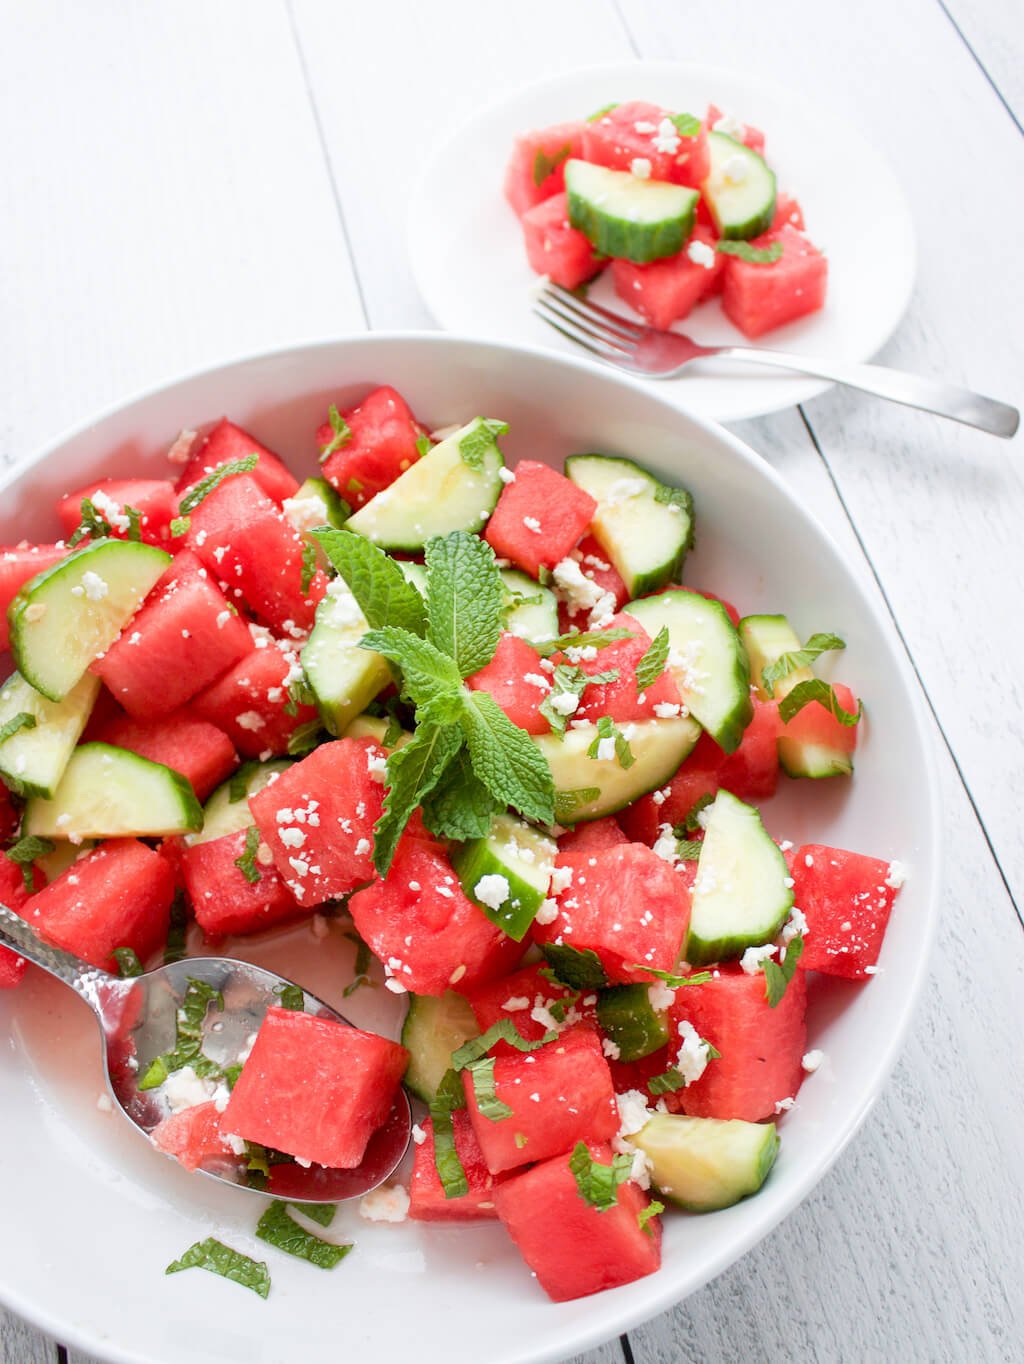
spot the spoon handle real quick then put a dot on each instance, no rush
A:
(84, 979)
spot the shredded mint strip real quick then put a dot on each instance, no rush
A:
(607, 729)
(491, 1107)
(814, 689)
(308, 565)
(583, 639)
(23, 720)
(279, 1229)
(229, 1264)
(581, 969)
(181, 525)
(477, 443)
(687, 125)
(25, 852)
(321, 1213)
(756, 255)
(341, 433)
(598, 1184)
(673, 982)
(188, 1047)
(206, 485)
(361, 974)
(778, 974)
(600, 113)
(449, 1098)
(652, 664)
(246, 863)
(175, 947)
(653, 1209)
(689, 849)
(134, 523)
(128, 964)
(502, 1031)
(238, 787)
(291, 997)
(545, 165)
(691, 824)
(796, 659)
(568, 802)
(92, 524)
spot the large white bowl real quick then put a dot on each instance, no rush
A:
(92, 1215)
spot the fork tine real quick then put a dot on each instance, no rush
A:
(631, 330)
(590, 328)
(577, 338)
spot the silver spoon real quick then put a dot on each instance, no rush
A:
(137, 1018)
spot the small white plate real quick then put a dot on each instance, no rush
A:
(467, 255)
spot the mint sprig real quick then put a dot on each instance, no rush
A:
(465, 600)
(384, 594)
(460, 806)
(791, 662)
(778, 974)
(480, 440)
(413, 771)
(506, 759)
(814, 689)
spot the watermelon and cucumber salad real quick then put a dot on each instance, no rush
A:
(472, 724)
(679, 209)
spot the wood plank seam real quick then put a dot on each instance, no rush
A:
(1018, 909)
(981, 66)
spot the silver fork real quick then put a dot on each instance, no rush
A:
(662, 355)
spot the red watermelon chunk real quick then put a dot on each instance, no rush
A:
(645, 132)
(751, 773)
(625, 904)
(761, 1047)
(574, 1249)
(427, 933)
(199, 751)
(815, 724)
(118, 895)
(228, 442)
(527, 997)
(249, 702)
(427, 1201)
(381, 446)
(555, 248)
(155, 499)
(536, 168)
(787, 210)
(743, 132)
(846, 899)
(317, 819)
(596, 568)
(666, 291)
(518, 683)
(627, 1075)
(595, 836)
(560, 1094)
(622, 699)
(14, 895)
(223, 900)
(759, 297)
(248, 545)
(184, 635)
(539, 519)
(19, 563)
(192, 1136)
(314, 1088)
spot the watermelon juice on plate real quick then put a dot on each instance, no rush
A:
(477, 718)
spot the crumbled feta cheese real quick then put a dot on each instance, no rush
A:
(644, 127)
(897, 875)
(661, 996)
(536, 680)
(566, 703)
(92, 586)
(692, 1059)
(184, 1089)
(34, 612)
(548, 912)
(730, 125)
(561, 879)
(667, 846)
(753, 958)
(784, 1105)
(387, 1203)
(666, 710)
(516, 1003)
(531, 523)
(305, 512)
(735, 170)
(363, 847)
(181, 447)
(251, 720)
(795, 925)
(418, 1134)
(701, 253)
(606, 750)
(104, 1104)
(506, 475)
(667, 139)
(292, 838)
(376, 765)
(610, 1048)
(640, 167)
(812, 1060)
(633, 1115)
(492, 890)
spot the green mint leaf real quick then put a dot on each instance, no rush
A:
(246, 864)
(181, 525)
(205, 486)
(691, 824)
(568, 802)
(279, 1229)
(231, 1074)
(607, 729)
(666, 1083)
(652, 664)
(506, 759)
(465, 599)
(581, 969)
(583, 639)
(304, 738)
(756, 255)
(308, 565)
(672, 981)
(477, 443)
(230, 1264)
(384, 594)
(450, 1097)
(688, 849)
(491, 1107)
(290, 997)
(412, 773)
(91, 524)
(128, 964)
(778, 974)
(687, 125)
(321, 1213)
(428, 675)
(598, 1184)
(544, 165)
(188, 1044)
(25, 852)
(798, 658)
(502, 1031)
(814, 689)
(653, 1209)
(134, 523)
(342, 433)
(460, 806)
(23, 720)
(600, 113)
(423, 446)
(174, 949)
(238, 787)
(361, 965)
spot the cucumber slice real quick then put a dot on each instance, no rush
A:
(32, 761)
(706, 658)
(645, 527)
(375, 727)
(740, 896)
(450, 488)
(703, 1164)
(434, 1028)
(315, 504)
(626, 217)
(64, 855)
(71, 613)
(343, 678)
(587, 788)
(507, 873)
(414, 573)
(637, 1028)
(222, 815)
(108, 792)
(739, 190)
(532, 609)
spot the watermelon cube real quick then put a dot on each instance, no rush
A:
(536, 168)
(314, 1088)
(630, 1075)
(184, 635)
(245, 542)
(743, 132)
(155, 499)
(622, 699)
(227, 442)
(787, 210)
(625, 904)
(815, 727)
(527, 997)
(427, 1201)
(846, 899)
(759, 297)
(595, 567)
(382, 445)
(666, 291)
(118, 895)
(317, 819)
(573, 1248)
(645, 132)
(540, 517)
(199, 751)
(19, 563)
(427, 933)
(192, 1136)
(560, 1094)
(594, 836)
(555, 248)
(250, 701)
(14, 895)
(518, 683)
(223, 900)
(761, 1047)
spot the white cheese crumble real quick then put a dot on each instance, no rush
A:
(548, 912)
(388, 1203)
(531, 523)
(812, 1060)
(735, 170)
(516, 1003)
(661, 996)
(418, 1134)
(92, 587)
(666, 846)
(640, 167)
(784, 1105)
(251, 720)
(667, 139)
(701, 254)
(566, 703)
(561, 879)
(184, 1089)
(492, 890)
(795, 925)
(605, 750)
(897, 875)
(506, 475)
(753, 958)
(692, 1059)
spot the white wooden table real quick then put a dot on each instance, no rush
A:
(182, 183)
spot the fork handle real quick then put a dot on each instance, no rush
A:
(932, 395)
